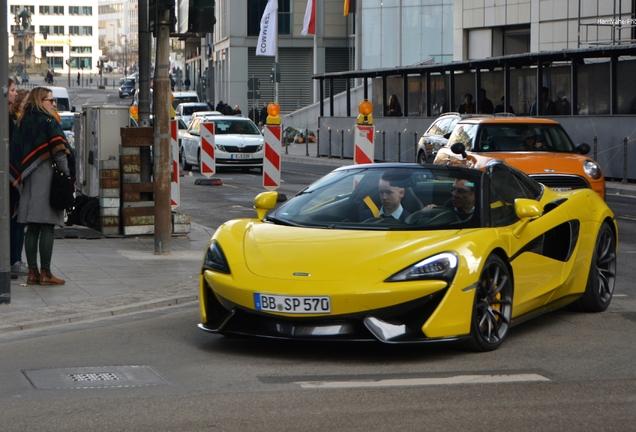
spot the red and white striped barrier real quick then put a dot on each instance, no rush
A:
(271, 161)
(175, 190)
(207, 167)
(364, 141)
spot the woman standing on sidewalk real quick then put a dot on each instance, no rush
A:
(18, 267)
(38, 136)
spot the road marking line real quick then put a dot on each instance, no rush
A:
(460, 379)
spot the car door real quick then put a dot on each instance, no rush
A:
(191, 141)
(539, 249)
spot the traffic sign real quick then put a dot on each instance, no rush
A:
(271, 162)
(207, 166)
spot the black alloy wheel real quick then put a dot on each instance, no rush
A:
(185, 166)
(602, 277)
(492, 310)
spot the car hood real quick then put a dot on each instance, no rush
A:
(536, 162)
(282, 252)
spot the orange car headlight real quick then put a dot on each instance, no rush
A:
(592, 169)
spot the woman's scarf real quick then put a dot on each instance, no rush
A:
(33, 141)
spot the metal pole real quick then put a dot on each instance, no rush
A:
(162, 159)
(595, 147)
(399, 146)
(624, 181)
(342, 144)
(306, 142)
(317, 143)
(144, 64)
(329, 154)
(383, 145)
(415, 147)
(5, 211)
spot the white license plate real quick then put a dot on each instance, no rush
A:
(562, 189)
(240, 156)
(293, 305)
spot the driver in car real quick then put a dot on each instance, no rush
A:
(391, 195)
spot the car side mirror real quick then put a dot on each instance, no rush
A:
(195, 132)
(458, 148)
(582, 148)
(526, 210)
(72, 109)
(265, 201)
(447, 135)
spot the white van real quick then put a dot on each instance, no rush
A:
(63, 99)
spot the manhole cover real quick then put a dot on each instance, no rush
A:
(94, 377)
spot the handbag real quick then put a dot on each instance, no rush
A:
(62, 188)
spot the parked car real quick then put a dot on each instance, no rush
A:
(133, 77)
(437, 134)
(186, 109)
(480, 252)
(238, 143)
(184, 96)
(127, 88)
(552, 159)
(67, 121)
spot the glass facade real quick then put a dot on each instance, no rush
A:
(426, 29)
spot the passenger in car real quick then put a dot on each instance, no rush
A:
(462, 199)
(530, 142)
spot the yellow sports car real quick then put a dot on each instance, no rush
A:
(405, 253)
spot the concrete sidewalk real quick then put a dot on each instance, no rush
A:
(113, 276)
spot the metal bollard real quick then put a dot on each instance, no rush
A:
(595, 147)
(286, 144)
(399, 146)
(329, 152)
(317, 143)
(306, 142)
(383, 146)
(624, 181)
(342, 144)
(414, 147)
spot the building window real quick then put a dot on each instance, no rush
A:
(255, 9)
(73, 10)
(58, 10)
(45, 10)
(81, 49)
(45, 29)
(15, 9)
(87, 31)
(87, 10)
(58, 30)
(73, 30)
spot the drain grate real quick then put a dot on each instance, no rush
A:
(101, 376)
(94, 377)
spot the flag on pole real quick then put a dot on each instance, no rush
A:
(346, 7)
(268, 36)
(349, 6)
(309, 23)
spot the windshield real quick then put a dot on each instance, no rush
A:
(182, 99)
(189, 109)
(388, 197)
(519, 137)
(227, 127)
(67, 122)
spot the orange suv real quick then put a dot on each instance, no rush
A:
(539, 147)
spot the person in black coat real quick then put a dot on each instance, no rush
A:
(264, 114)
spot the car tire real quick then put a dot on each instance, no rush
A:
(602, 276)
(421, 158)
(492, 309)
(199, 159)
(185, 166)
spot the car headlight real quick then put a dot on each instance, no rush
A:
(439, 267)
(592, 169)
(215, 259)
(259, 148)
